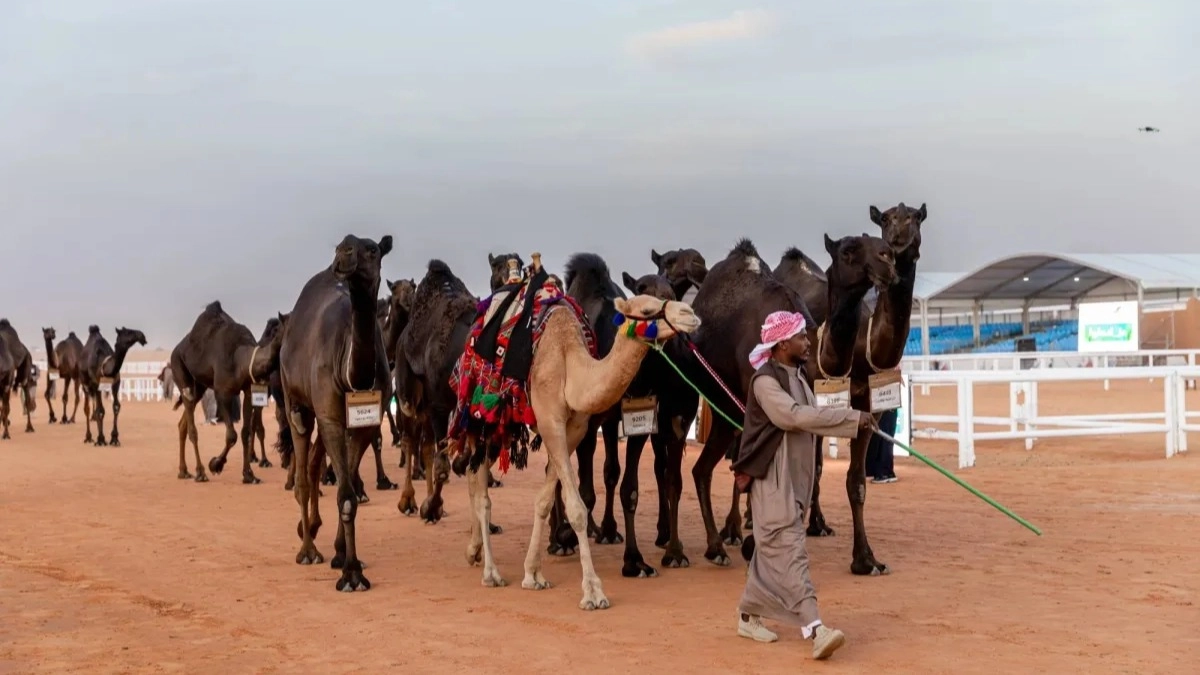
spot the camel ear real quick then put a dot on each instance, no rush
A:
(391, 285)
(876, 216)
(385, 245)
(831, 245)
(655, 256)
(629, 282)
(622, 305)
(922, 212)
(491, 259)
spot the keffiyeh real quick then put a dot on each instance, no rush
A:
(779, 327)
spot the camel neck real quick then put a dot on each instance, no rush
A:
(836, 349)
(890, 321)
(51, 357)
(593, 386)
(118, 360)
(360, 348)
(395, 326)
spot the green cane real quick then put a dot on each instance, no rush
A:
(961, 482)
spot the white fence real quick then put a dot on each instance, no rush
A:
(1024, 421)
(139, 381)
(1025, 360)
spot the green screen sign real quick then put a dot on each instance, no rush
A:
(1108, 332)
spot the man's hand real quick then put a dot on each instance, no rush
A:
(866, 421)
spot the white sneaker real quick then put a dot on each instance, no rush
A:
(826, 641)
(754, 629)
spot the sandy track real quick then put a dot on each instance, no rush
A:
(111, 564)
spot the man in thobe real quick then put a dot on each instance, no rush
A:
(776, 463)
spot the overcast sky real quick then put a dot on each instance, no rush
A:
(159, 154)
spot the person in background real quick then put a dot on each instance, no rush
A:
(880, 461)
(776, 466)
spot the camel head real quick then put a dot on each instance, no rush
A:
(653, 285)
(48, 334)
(128, 337)
(901, 227)
(403, 292)
(499, 265)
(860, 262)
(650, 319)
(681, 265)
(358, 262)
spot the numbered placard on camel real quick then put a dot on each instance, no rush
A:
(639, 416)
(106, 384)
(363, 409)
(51, 374)
(885, 390)
(832, 393)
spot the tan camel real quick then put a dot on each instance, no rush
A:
(566, 387)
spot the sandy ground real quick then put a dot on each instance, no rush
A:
(111, 564)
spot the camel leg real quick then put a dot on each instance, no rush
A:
(75, 408)
(408, 498)
(346, 448)
(316, 465)
(563, 541)
(224, 413)
(436, 476)
(27, 402)
(184, 474)
(534, 579)
(382, 482)
(301, 423)
(816, 519)
(4, 415)
(635, 565)
(87, 415)
(50, 402)
(673, 556)
(558, 446)
(663, 479)
(66, 387)
(584, 457)
(260, 432)
(395, 431)
(480, 548)
(731, 534)
(189, 407)
(718, 441)
(608, 533)
(113, 437)
(98, 412)
(248, 477)
(863, 562)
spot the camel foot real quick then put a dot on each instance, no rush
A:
(290, 485)
(717, 556)
(564, 542)
(608, 534)
(636, 568)
(216, 465)
(492, 579)
(869, 567)
(5, 436)
(407, 504)
(201, 477)
(593, 597)
(431, 510)
(29, 429)
(184, 475)
(248, 478)
(309, 555)
(818, 530)
(535, 582)
(385, 483)
(495, 529)
(363, 498)
(264, 463)
(53, 419)
(65, 421)
(329, 477)
(112, 441)
(100, 441)
(86, 439)
(352, 579)
(419, 473)
(731, 535)
(492, 482)
(474, 554)
(675, 559)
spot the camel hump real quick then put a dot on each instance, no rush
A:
(794, 253)
(93, 329)
(587, 267)
(744, 247)
(439, 267)
(5, 324)
(214, 306)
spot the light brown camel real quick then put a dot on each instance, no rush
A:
(334, 372)
(566, 387)
(68, 355)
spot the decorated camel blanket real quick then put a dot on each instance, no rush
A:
(490, 379)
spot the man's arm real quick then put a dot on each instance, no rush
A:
(788, 414)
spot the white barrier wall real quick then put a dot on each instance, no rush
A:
(139, 381)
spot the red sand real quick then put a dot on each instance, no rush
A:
(111, 564)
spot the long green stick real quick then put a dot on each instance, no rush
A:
(961, 482)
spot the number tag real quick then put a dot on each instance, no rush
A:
(885, 391)
(51, 374)
(834, 393)
(106, 385)
(258, 395)
(363, 409)
(639, 416)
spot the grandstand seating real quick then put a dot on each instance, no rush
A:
(998, 337)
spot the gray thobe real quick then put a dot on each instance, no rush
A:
(778, 585)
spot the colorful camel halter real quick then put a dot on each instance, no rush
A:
(641, 328)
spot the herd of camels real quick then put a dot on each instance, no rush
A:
(342, 354)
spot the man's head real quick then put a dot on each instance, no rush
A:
(783, 339)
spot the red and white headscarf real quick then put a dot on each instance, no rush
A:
(778, 327)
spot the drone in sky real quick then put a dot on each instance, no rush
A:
(1149, 129)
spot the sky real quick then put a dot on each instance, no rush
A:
(156, 155)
